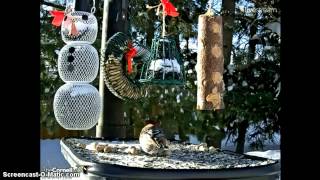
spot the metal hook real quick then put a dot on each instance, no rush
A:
(93, 9)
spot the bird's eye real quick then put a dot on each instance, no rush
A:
(84, 17)
(65, 18)
(70, 59)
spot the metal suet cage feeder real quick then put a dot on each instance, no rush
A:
(165, 66)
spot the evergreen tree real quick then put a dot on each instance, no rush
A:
(252, 72)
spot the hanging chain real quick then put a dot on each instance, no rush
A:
(93, 9)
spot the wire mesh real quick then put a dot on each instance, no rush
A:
(79, 26)
(77, 106)
(164, 66)
(78, 62)
(114, 65)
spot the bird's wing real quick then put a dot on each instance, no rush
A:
(154, 134)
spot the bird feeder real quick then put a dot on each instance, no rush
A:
(79, 26)
(77, 106)
(78, 63)
(210, 62)
(164, 66)
(122, 55)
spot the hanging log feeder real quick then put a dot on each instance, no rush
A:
(210, 62)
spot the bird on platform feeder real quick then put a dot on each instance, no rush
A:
(152, 139)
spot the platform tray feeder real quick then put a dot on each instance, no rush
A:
(186, 161)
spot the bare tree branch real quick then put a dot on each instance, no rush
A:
(42, 2)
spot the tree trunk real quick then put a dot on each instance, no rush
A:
(210, 63)
(228, 10)
(242, 130)
(252, 43)
(150, 29)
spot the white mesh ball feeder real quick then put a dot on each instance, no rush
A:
(78, 63)
(77, 106)
(80, 27)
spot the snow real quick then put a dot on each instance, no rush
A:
(229, 145)
(274, 26)
(231, 68)
(278, 89)
(268, 48)
(57, 51)
(193, 44)
(178, 97)
(169, 65)
(51, 156)
(271, 154)
(230, 88)
(244, 83)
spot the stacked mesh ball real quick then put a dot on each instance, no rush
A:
(77, 104)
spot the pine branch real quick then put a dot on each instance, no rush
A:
(42, 2)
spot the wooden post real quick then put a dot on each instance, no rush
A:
(100, 125)
(210, 62)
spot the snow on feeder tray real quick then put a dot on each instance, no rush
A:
(164, 67)
(77, 106)
(79, 26)
(109, 158)
(78, 62)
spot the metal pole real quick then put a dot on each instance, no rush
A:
(99, 128)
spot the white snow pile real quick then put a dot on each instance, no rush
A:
(51, 156)
(167, 65)
(270, 154)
